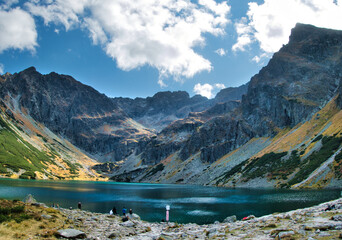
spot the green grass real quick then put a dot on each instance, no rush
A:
(237, 168)
(16, 213)
(329, 145)
(268, 163)
(338, 167)
(154, 170)
(15, 153)
(72, 167)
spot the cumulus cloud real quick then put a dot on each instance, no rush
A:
(269, 24)
(18, 30)
(220, 52)
(208, 90)
(2, 68)
(161, 34)
(220, 86)
(7, 4)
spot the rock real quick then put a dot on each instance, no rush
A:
(114, 235)
(46, 216)
(133, 216)
(127, 224)
(285, 235)
(230, 219)
(337, 218)
(71, 233)
(30, 199)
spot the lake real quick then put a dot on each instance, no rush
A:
(196, 204)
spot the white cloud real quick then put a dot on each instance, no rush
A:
(220, 86)
(7, 4)
(259, 59)
(244, 32)
(204, 90)
(161, 34)
(18, 30)
(2, 68)
(220, 52)
(269, 24)
(208, 90)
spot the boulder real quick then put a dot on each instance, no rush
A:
(230, 219)
(30, 199)
(127, 224)
(71, 233)
(337, 218)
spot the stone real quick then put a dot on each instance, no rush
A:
(30, 199)
(230, 219)
(337, 218)
(46, 216)
(285, 235)
(127, 224)
(133, 216)
(114, 235)
(71, 233)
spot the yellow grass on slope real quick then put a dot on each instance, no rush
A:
(289, 139)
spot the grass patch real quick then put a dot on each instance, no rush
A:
(258, 167)
(28, 175)
(329, 145)
(16, 154)
(15, 212)
(72, 167)
(319, 137)
(237, 168)
(160, 167)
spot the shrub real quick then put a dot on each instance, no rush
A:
(329, 146)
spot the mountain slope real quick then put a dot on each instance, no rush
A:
(30, 150)
(79, 113)
(292, 99)
(163, 108)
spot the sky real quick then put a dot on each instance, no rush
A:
(135, 48)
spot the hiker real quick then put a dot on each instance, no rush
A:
(124, 210)
(113, 211)
(79, 205)
(130, 211)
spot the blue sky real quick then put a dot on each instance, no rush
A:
(137, 48)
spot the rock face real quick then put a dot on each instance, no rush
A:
(299, 80)
(231, 94)
(90, 120)
(163, 108)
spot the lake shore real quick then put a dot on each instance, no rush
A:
(323, 221)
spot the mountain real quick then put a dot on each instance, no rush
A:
(163, 108)
(72, 125)
(282, 129)
(286, 132)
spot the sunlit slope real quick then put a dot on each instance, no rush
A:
(29, 150)
(306, 156)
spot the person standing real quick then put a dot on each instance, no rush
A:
(79, 205)
(124, 210)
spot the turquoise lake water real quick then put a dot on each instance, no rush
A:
(196, 204)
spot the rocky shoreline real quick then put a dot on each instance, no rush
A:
(323, 221)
